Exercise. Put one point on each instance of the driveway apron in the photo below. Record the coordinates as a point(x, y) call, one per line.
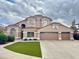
point(60, 49)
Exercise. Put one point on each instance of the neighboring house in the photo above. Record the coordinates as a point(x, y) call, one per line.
point(39, 27)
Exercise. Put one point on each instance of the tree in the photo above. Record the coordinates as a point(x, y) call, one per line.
point(73, 26)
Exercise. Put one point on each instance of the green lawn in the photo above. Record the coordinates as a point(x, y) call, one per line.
point(28, 48)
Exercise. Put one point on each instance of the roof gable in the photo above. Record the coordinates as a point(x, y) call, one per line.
point(30, 17)
point(62, 28)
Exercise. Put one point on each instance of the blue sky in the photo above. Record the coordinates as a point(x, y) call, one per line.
point(12, 11)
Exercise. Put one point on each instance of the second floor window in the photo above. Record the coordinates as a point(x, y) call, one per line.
point(44, 23)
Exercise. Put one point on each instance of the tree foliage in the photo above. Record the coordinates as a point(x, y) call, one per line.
point(74, 26)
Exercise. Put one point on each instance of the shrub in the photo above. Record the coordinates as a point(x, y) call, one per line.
point(25, 39)
point(76, 36)
point(34, 39)
point(3, 38)
point(30, 39)
point(11, 38)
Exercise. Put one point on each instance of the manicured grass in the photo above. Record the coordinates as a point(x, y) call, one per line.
point(28, 48)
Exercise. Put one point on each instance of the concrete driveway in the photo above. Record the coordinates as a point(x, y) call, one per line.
point(60, 49)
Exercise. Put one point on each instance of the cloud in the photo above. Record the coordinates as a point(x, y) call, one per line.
point(62, 21)
point(12, 11)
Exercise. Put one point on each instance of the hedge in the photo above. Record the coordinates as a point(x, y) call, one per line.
point(3, 38)
point(11, 38)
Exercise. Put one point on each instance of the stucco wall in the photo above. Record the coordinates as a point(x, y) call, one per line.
point(8, 30)
point(59, 28)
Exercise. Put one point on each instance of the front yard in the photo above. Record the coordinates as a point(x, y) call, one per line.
point(28, 48)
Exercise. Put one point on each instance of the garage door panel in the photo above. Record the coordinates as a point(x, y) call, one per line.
point(65, 36)
point(49, 36)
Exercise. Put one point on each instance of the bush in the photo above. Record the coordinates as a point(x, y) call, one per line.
point(25, 39)
point(11, 38)
point(30, 39)
point(3, 38)
point(76, 36)
point(34, 39)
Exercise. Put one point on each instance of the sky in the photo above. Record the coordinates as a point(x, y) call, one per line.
point(63, 11)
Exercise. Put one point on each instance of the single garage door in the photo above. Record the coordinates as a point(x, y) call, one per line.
point(65, 35)
point(49, 35)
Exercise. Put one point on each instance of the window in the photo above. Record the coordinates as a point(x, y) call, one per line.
point(44, 23)
point(23, 26)
point(13, 32)
point(31, 23)
point(55, 27)
point(30, 34)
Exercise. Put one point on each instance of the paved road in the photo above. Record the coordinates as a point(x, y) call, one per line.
point(60, 49)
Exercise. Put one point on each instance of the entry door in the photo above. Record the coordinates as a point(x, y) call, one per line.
point(21, 34)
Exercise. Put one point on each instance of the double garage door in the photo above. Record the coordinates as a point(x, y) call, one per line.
point(54, 36)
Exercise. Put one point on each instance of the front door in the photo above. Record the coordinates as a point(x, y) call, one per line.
point(21, 34)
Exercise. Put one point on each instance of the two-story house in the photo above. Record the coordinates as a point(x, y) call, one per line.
point(41, 28)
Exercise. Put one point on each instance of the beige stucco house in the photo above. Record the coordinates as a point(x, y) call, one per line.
point(41, 28)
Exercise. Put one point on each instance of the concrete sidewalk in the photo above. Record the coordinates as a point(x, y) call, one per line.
point(6, 54)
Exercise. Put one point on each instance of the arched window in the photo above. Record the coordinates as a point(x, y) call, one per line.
point(23, 26)
point(13, 32)
point(44, 22)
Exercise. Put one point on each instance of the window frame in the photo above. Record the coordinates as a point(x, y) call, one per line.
point(13, 32)
point(30, 34)
point(55, 26)
point(44, 23)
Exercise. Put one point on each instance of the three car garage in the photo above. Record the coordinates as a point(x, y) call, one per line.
point(54, 35)
point(56, 31)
